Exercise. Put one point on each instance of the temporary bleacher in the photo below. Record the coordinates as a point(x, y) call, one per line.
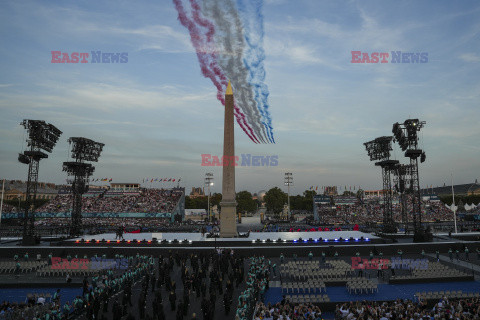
point(435, 295)
point(25, 266)
point(436, 272)
point(331, 271)
point(361, 286)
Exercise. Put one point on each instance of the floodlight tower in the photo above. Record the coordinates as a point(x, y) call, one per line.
point(406, 135)
point(41, 136)
point(379, 149)
point(402, 172)
point(83, 149)
point(288, 182)
point(208, 183)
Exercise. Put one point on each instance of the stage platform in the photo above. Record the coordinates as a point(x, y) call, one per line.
point(254, 238)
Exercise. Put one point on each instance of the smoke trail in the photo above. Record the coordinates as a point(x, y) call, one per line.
point(230, 41)
point(208, 64)
point(251, 12)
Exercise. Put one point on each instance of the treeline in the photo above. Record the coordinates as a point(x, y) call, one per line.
point(245, 202)
point(464, 199)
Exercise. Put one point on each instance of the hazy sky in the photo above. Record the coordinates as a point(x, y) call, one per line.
point(157, 114)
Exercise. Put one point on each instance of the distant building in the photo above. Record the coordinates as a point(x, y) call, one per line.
point(331, 191)
point(16, 189)
point(197, 192)
point(125, 186)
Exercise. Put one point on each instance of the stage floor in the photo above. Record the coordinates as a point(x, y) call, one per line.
point(197, 237)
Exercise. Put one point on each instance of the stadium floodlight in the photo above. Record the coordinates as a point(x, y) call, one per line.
point(379, 150)
point(42, 137)
point(407, 137)
point(288, 180)
point(208, 183)
point(83, 149)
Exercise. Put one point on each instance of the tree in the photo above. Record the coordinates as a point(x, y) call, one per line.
point(245, 202)
point(360, 194)
point(275, 199)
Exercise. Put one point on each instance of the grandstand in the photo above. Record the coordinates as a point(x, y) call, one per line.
point(121, 203)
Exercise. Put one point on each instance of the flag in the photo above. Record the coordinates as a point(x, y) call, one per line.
point(173, 180)
point(316, 188)
point(110, 180)
point(151, 180)
point(156, 179)
point(160, 180)
point(179, 179)
point(169, 179)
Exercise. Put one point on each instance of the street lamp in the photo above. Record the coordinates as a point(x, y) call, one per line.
point(288, 181)
point(209, 182)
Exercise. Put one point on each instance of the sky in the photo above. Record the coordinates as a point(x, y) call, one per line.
point(157, 114)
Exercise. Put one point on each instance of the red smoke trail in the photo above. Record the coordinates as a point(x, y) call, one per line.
point(208, 60)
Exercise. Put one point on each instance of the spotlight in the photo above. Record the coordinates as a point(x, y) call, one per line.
point(336, 240)
point(108, 241)
point(118, 241)
point(326, 240)
point(77, 241)
point(316, 240)
point(128, 241)
point(138, 241)
point(253, 241)
point(87, 241)
point(149, 241)
point(98, 241)
point(366, 239)
point(190, 241)
point(169, 241)
point(274, 241)
point(356, 239)
point(263, 240)
point(295, 240)
point(346, 240)
point(284, 240)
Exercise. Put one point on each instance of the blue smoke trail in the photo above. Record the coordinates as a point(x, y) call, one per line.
point(254, 56)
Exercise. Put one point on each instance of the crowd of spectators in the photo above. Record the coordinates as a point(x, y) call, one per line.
point(372, 212)
point(257, 285)
point(374, 310)
point(406, 309)
point(146, 201)
point(284, 310)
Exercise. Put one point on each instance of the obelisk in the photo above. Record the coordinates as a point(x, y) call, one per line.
point(228, 224)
